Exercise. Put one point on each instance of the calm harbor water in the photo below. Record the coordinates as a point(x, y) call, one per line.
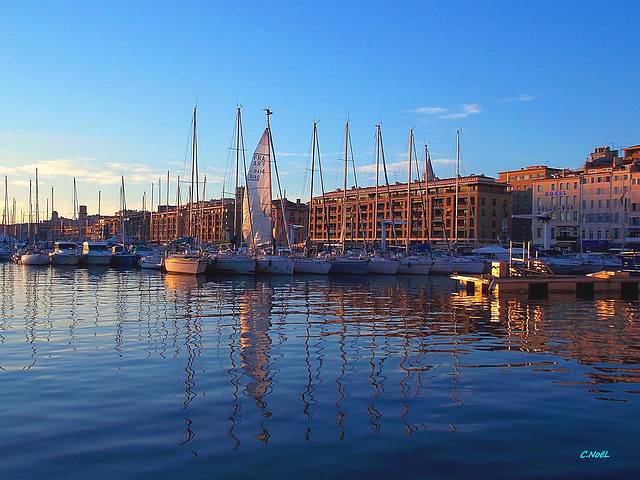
point(111, 373)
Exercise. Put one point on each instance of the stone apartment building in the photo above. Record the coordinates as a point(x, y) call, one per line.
point(482, 213)
point(594, 207)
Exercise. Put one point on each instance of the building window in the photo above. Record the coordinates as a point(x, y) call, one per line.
point(575, 215)
point(553, 186)
point(539, 232)
point(561, 186)
point(539, 188)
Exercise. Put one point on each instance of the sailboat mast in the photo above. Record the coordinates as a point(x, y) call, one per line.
point(37, 208)
point(204, 195)
point(325, 209)
point(30, 213)
point(344, 191)
point(375, 206)
point(408, 216)
point(427, 211)
point(272, 155)
point(236, 203)
point(177, 207)
point(151, 215)
point(313, 164)
point(389, 198)
point(455, 210)
point(5, 212)
point(122, 207)
point(193, 156)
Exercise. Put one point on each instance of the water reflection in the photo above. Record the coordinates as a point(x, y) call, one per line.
point(321, 357)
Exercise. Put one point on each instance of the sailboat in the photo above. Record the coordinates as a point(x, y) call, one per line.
point(257, 226)
point(413, 264)
point(380, 264)
point(34, 254)
point(345, 263)
point(6, 242)
point(122, 257)
point(231, 260)
point(308, 264)
point(447, 263)
point(189, 261)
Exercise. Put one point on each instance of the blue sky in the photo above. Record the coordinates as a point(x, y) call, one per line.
point(100, 91)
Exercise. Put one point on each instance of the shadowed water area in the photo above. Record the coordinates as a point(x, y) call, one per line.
point(110, 373)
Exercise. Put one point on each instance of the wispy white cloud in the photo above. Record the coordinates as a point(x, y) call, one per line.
point(467, 109)
point(525, 97)
point(286, 154)
point(429, 110)
point(442, 161)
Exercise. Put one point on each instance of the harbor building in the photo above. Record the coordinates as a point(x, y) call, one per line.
point(594, 207)
point(482, 214)
point(217, 224)
point(521, 187)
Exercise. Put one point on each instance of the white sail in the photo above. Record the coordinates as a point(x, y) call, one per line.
point(257, 225)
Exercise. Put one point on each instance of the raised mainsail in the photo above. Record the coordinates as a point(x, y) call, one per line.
point(257, 225)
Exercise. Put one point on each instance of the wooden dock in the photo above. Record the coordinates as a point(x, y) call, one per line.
point(613, 285)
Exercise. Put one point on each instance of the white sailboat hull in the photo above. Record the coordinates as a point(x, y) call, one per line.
point(185, 265)
point(442, 267)
point(349, 266)
point(237, 264)
point(152, 262)
point(468, 266)
point(413, 266)
point(273, 264)
point(382, 266)
point(311, 266)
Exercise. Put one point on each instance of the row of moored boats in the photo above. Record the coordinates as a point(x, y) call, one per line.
point(229, 261)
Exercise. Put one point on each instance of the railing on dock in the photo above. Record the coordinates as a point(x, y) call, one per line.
point(522, 264)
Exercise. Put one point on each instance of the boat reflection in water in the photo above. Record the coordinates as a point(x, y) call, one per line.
point(173, 373)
